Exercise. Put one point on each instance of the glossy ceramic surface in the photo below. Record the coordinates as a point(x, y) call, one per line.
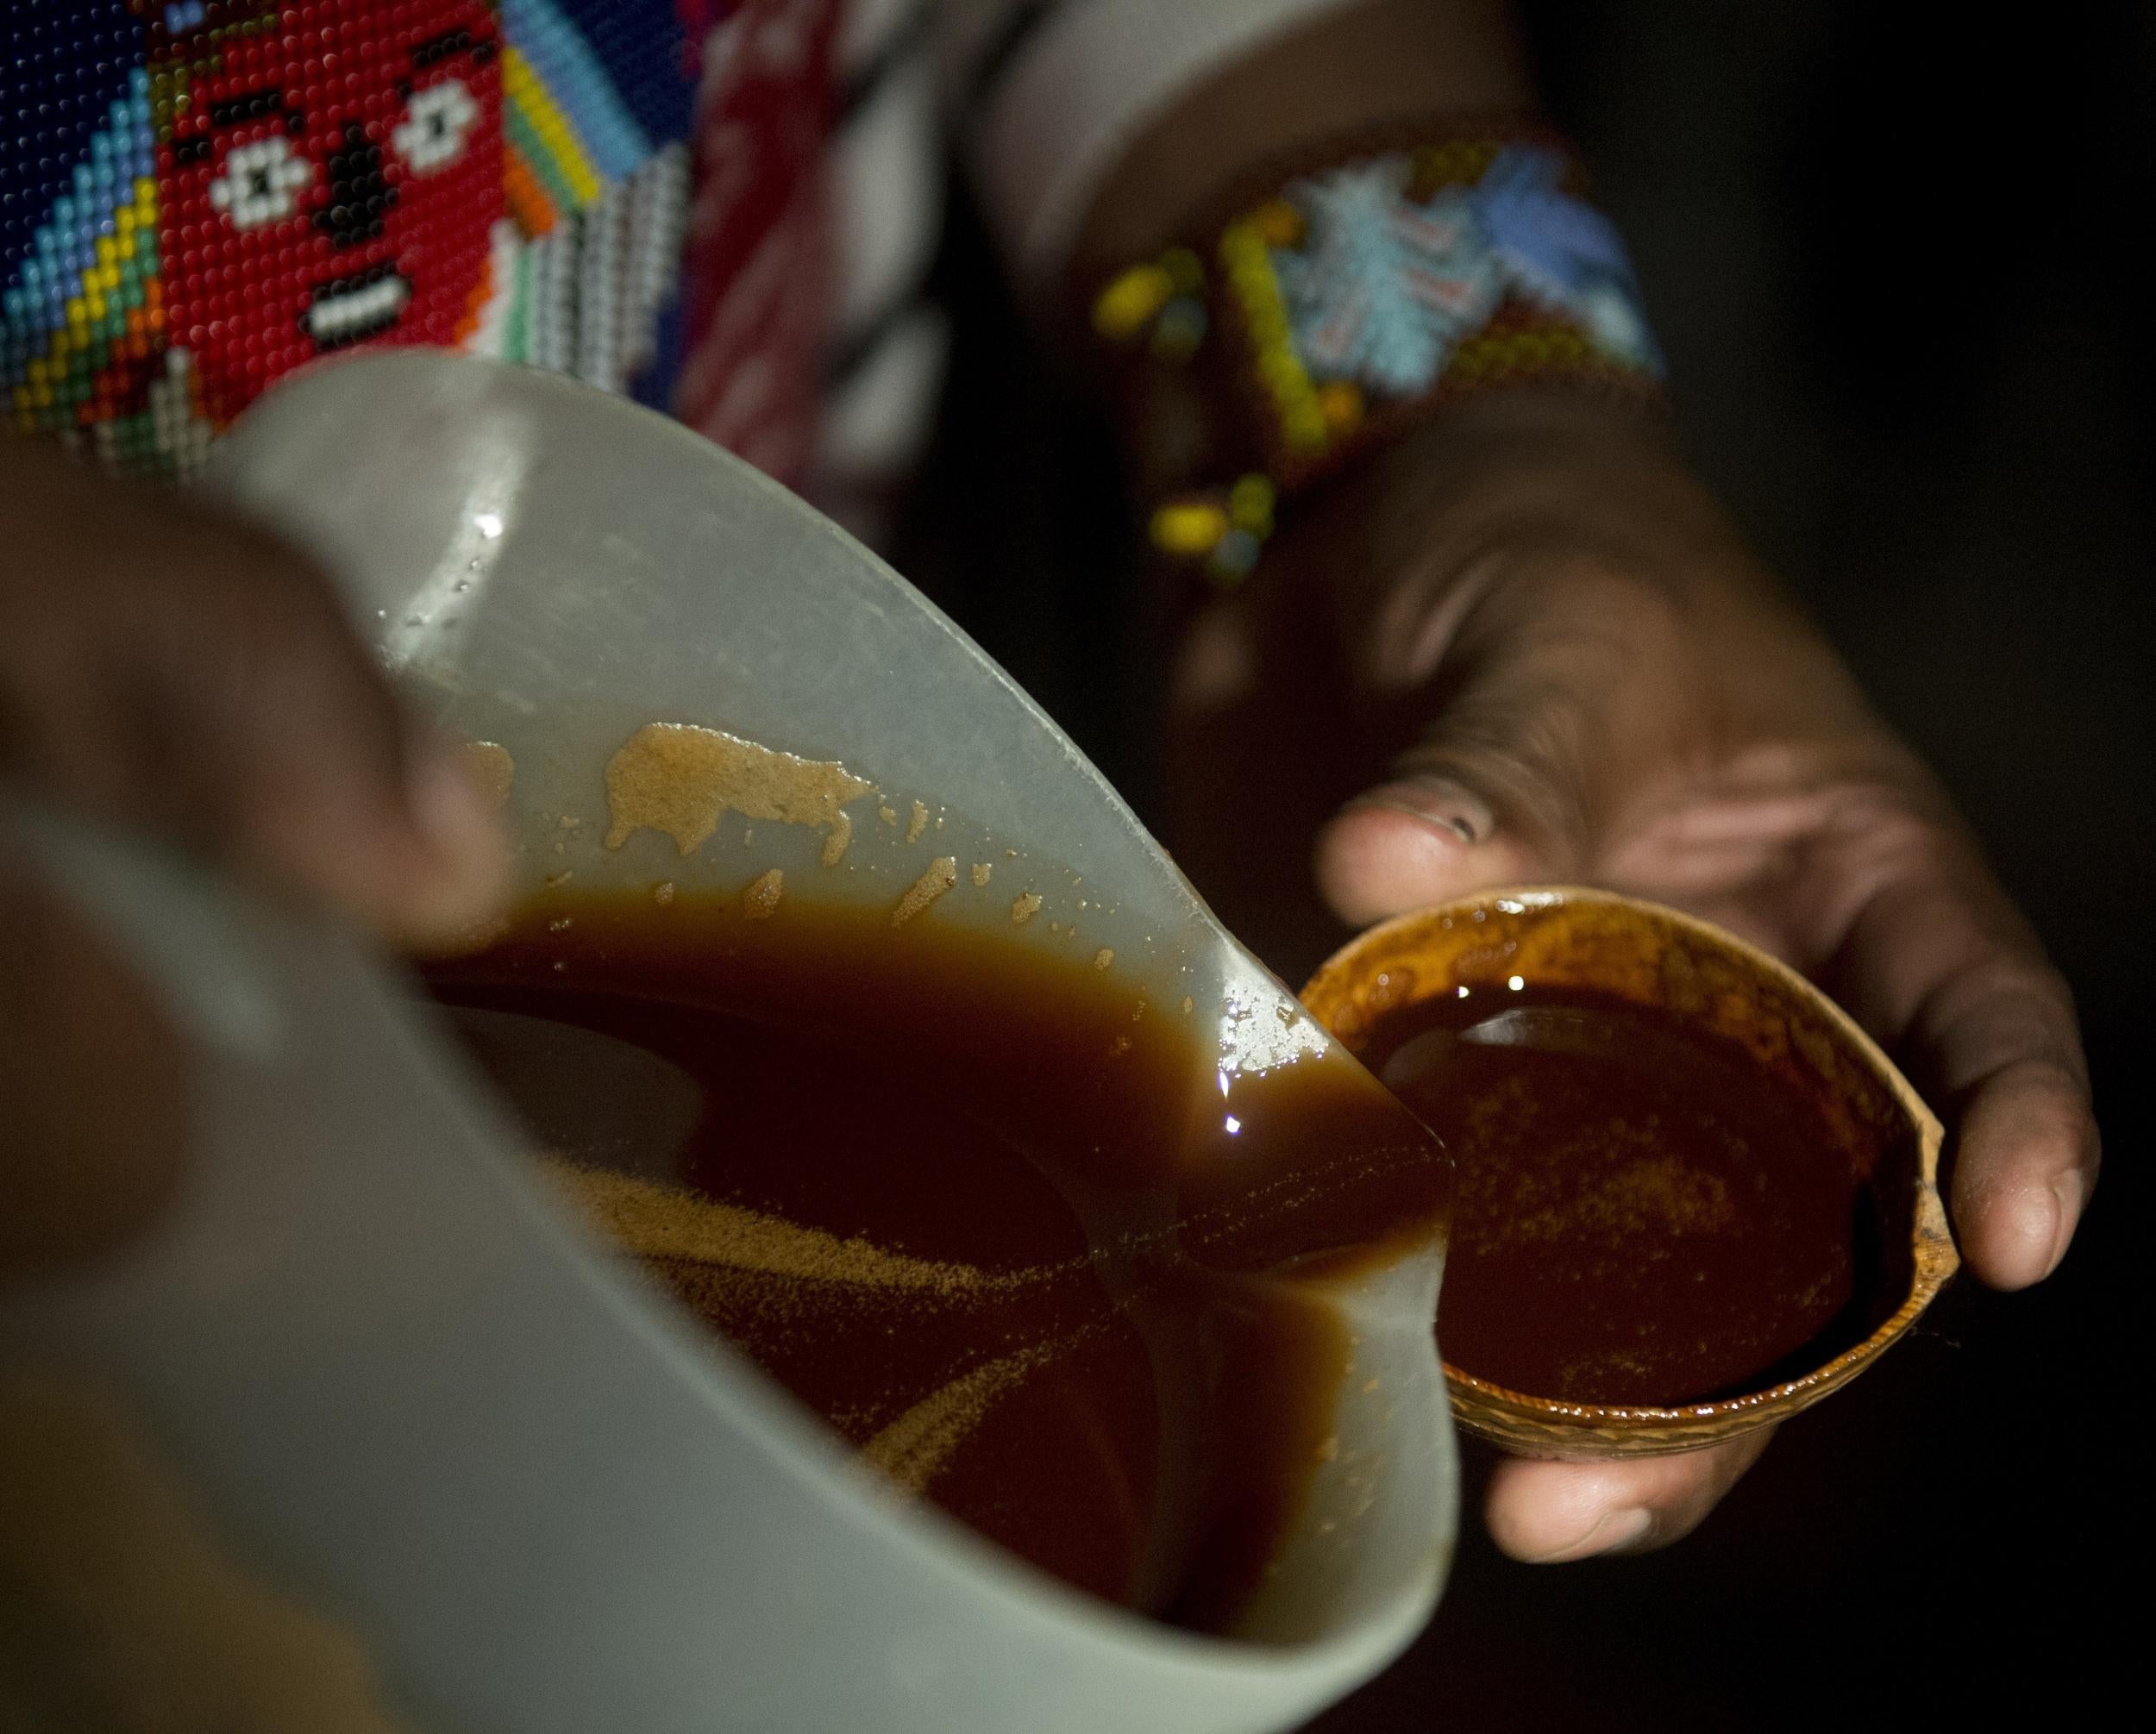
point(417, 1395)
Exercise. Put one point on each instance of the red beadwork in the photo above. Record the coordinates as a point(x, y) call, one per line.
point(292, 255)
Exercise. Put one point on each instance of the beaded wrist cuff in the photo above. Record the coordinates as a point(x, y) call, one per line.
point(1350, 303)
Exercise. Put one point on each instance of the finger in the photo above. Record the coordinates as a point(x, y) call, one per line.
point(303, 768)
point(1537, 717)
point(1935, 958)
point(2027, 1161)
point(1546, 1513)
point(95, 1086)
point(1416, 841)
point(173, 669)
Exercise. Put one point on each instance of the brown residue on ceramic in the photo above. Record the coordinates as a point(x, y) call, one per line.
point(488, 765)
point(682, 779)
point(942, 875)
point(760, 901)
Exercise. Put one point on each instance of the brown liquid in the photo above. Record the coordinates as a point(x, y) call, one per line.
point(981, 1209)
point(1645, 1215)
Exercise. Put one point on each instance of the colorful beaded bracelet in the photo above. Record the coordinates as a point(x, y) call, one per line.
point(1349, 303)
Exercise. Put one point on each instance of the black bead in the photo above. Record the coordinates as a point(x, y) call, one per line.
point(360, 195)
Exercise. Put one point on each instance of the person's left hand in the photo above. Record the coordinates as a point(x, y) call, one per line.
point(1578, 675)
point(169, 669)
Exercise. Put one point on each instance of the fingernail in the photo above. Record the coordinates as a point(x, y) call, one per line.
point(2067, 1196)
point(1438, 801)
point(1611, 1531)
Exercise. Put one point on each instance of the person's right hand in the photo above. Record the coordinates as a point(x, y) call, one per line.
point(174, 671)
point(1573, 673)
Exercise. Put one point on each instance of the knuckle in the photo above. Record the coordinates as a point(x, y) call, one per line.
point(1587, 620)
point(2006, 985)
point(1578, 585)
point(1990, 1036)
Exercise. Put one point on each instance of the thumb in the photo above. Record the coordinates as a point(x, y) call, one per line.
point(1492, 795)
point(1537, 698)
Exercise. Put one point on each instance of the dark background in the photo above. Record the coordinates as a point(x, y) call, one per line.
point(1897, 264)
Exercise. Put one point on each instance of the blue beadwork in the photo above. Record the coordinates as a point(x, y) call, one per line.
point(1563, 252)
point(69, 64)
point(58, 251)
point(642, 46)
point(1386, 288)
point(1549, 243)
point(568, 66)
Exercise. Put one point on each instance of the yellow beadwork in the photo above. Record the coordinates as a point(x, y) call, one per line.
point(1250, 503)
point(1305, 425)
point(1280, 223)
point(1127, 305)
point(523, 90)
point(76, 336)
point(1495, 355)
point(1342, 402)
point(1188, 527)
point(1248, 263)
point(1460, 162)
point(1185, 270)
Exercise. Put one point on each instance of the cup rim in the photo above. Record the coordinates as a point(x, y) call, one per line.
point(1934, 1257)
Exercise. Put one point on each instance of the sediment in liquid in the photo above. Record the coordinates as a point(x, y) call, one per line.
point(1645, 1215)
point(961, 1200)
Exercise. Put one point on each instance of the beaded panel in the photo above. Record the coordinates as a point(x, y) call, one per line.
point(1352, 302)
point(202, 196)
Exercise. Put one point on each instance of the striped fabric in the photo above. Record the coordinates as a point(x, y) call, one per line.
point(1056, 90)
